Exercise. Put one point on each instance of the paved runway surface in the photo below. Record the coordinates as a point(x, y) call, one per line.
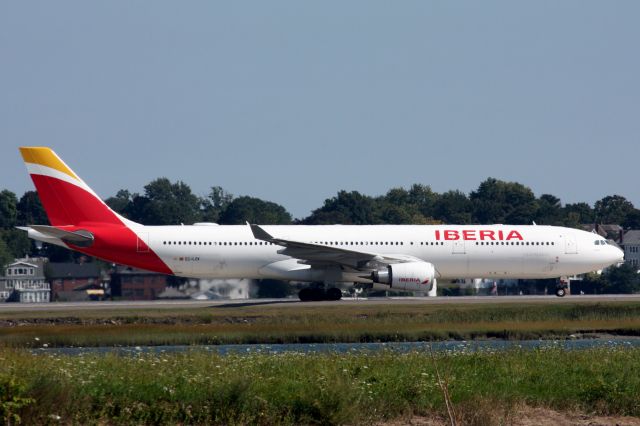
point(172, 304)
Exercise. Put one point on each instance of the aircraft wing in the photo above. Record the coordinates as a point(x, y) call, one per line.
point(324, 255)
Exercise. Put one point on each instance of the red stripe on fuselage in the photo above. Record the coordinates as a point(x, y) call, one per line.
point(120, 244)
point(68, 204)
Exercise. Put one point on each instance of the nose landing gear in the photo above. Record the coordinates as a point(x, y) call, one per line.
point(562, 287)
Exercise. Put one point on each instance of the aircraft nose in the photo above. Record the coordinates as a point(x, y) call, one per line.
point(617, 255)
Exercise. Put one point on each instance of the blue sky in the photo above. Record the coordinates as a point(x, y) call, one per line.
point(293, 101)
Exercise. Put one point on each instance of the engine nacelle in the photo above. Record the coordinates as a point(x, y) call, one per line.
point(410, 276)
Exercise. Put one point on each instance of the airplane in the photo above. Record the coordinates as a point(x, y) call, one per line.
point(407, 258)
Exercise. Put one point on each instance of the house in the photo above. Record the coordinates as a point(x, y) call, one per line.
point(631, 246)
point(137, 284)
point(24, 282)
point(76, 281)
point(608, 231)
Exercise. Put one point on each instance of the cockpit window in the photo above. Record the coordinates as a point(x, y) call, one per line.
point(596, 242)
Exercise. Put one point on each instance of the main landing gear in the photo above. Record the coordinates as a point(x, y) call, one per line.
point(316, 294)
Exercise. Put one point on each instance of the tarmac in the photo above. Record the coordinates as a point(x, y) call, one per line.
point(172, 304)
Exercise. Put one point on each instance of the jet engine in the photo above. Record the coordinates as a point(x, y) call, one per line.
point(409, 276)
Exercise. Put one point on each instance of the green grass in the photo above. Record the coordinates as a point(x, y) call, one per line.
point(349, 322)
point(360, 388)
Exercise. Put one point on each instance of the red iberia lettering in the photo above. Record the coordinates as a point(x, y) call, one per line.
point(514, 235)
point(468, 234)
point(451, 235)
point(487, 235)
point(477, 234)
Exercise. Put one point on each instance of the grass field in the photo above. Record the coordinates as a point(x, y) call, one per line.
point(355, 388)
point(318, 324)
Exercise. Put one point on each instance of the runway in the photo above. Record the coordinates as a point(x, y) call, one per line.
point(186, 304)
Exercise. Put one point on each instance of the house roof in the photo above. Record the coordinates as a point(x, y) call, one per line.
point(73, 270)
point(611, 227)
point(604, 230)
point(31, 265)
point(631, 237)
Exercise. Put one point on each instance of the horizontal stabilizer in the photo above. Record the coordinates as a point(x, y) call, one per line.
point(79, 238)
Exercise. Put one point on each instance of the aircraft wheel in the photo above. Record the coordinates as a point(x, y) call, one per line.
point(334, 293)
point(561, 291)
point(318, 294)
point(310, 294)
point(306, 294)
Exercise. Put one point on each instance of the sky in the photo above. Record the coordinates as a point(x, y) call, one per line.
point(293, 101)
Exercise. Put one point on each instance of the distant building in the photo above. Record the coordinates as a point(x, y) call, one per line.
point(609, 231)
point(631, 246)
point(77, 281)
point(24, 282)
point(137, 284)
point(203, 289)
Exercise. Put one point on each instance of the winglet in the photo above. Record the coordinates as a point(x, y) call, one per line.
point(259, 233)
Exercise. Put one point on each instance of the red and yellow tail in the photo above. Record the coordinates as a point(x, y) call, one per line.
point(80, 219)
point(65, 197)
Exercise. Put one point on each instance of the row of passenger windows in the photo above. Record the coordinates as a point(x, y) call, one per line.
point(352, 243)
point(213, 243)
point(261, 243)
point(515, 243)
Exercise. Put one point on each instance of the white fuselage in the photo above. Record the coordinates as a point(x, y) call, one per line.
point(456, 251)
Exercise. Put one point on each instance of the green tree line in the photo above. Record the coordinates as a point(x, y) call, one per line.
point(164, 202)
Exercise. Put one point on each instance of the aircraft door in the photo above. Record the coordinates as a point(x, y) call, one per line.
point(142, 246)
point(570, 246)
point(458, 247)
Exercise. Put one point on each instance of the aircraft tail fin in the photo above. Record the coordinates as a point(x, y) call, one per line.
point(66, 198)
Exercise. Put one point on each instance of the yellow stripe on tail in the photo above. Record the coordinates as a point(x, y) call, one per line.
point(45, 157)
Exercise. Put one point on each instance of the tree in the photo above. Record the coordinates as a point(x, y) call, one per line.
point(497, 201)
point(423, 198)
point(633, 220)
point(612, 209)
point(453, 207)
point(399, 206)
point(254, 210)
point(30, 210)
point(623, 279)
point(8, 209)
point(215, 204)
point(549, 210)
point(16, 241)
point(346, 208)
point(578, 214)
point(5, 256)
point(122, 203)
point(165, 203)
